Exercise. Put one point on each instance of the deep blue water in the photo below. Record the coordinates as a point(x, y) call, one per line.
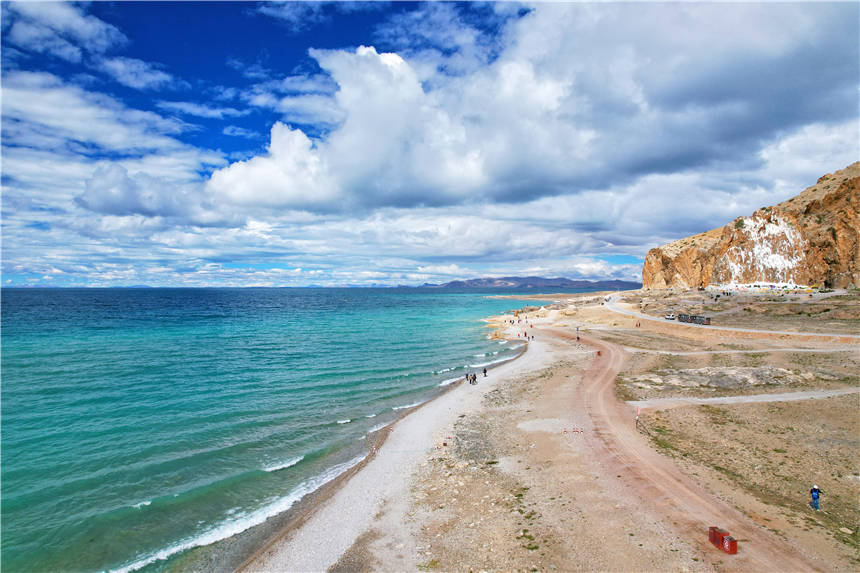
point(137, 423)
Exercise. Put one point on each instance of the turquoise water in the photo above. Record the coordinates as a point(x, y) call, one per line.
point(137, 424)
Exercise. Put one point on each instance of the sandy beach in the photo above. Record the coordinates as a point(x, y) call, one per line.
point(543, 465)
point(384, 481)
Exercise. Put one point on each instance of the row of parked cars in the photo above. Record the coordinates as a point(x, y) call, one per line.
point(693, 318)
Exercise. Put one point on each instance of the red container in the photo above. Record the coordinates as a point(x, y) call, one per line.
point(719, 534)
point(730, 545)
point(712, 533)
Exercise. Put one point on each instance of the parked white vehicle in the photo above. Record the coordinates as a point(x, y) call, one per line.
point(669, 316)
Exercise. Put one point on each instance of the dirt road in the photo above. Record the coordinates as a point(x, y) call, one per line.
point(665, 491)
point(612, 304)
point(747, 398)
point(756, 351)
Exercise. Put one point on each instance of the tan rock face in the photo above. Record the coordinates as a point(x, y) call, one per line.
point(808, 240)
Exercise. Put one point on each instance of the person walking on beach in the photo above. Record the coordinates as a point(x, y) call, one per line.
point(815, 493)
point(485, 372)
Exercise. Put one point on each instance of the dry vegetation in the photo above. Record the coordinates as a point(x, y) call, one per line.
point(818, 312)
point(775, 452)
point(763, 458)
point(709, 375)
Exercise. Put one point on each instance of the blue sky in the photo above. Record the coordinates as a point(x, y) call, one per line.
point(300, 143)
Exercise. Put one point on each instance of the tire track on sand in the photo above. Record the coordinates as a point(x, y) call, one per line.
point(663, 488)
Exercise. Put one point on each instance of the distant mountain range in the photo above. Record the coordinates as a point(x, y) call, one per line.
point(536, 282)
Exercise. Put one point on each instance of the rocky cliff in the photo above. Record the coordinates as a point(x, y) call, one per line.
point(811, 239)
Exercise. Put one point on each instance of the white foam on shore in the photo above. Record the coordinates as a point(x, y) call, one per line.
point(333, 529)
point(245, 521)
point(450, 381)
point(485, 354)
point(377, 427)
point(289, 463)
point(503, 342)
point(444, 370)
point(505, 359)
point(408, 405)
point(346, 421)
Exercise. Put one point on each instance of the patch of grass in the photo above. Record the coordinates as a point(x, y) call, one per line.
point(432, 564)
point(730, 473)
point(623, 391)
point(717, 415)
point(664, 444)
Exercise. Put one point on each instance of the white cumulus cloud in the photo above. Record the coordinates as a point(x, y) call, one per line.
point(291, 174)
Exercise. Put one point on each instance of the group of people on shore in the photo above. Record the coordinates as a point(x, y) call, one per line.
point(472, 378)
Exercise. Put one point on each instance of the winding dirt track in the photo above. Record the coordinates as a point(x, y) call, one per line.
point(665, 490)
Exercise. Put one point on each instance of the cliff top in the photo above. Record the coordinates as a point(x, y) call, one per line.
point(796, 205)
point(825, 185)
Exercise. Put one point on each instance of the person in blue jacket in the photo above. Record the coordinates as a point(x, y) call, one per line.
point(816, 493)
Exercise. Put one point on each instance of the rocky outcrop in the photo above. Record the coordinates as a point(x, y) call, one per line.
point(811, 239)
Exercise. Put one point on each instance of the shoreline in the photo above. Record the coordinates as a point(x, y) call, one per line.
point(529, 440)
point(238, 550)
point(307, 524)
point(404, 508)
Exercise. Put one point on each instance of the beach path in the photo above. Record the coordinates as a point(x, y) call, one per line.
point(670, 494)
point(743, 399)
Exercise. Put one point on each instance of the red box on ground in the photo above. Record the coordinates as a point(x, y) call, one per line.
point(730, 545)
point(719, 534)
point(712, 533)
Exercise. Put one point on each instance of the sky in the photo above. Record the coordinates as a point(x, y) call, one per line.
point(361, 144)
